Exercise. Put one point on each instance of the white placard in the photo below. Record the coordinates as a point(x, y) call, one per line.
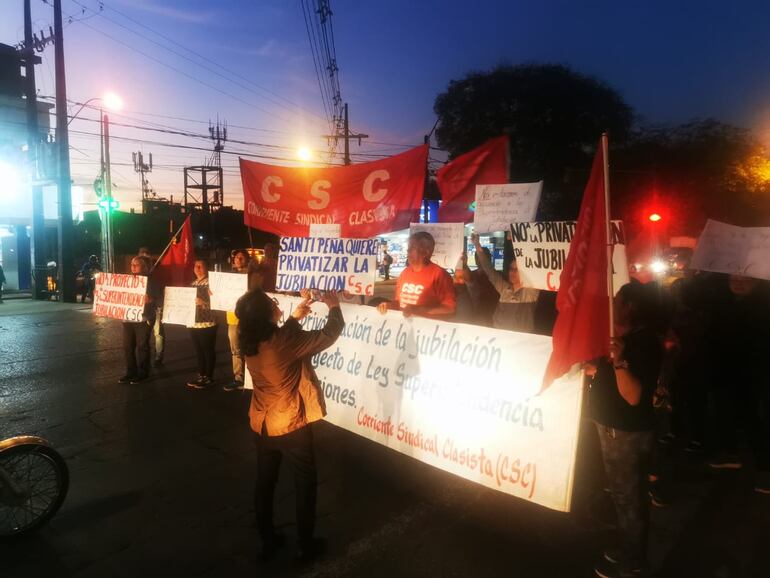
point(226, 289)
point(541, 249)
point(449, 237)
point(459, 397)
point(327, 264)
point(331, 230)
point(497, 206)
point(179, 305)
point(724, 248)
point(120, 296)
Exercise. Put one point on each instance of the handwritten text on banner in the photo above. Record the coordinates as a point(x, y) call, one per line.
point(459, 397)
point(179, 305)
point(226, 289)
point(120, 296)
point(450, 241)
point(724, 248)
point(327, 264)
point(541, 249)
point(497, 206)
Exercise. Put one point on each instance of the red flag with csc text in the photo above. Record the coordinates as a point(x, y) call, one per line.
point(581, 332)
point(365, 199)
point(457, 180)
point(175, 267)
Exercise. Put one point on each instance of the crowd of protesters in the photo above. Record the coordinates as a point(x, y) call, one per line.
point(685, 369)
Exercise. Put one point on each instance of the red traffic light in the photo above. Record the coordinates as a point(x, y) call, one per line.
point(654, 217)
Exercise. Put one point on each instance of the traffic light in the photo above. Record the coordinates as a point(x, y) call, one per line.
point(109, 204)
point(654, 217)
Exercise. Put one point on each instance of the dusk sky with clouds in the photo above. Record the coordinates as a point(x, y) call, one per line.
point(671, 61)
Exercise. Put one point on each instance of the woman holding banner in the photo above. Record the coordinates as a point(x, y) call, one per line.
point(204, 332)
point(287, 398)
point(136, 334)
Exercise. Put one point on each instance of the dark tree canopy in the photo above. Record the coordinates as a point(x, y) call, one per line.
point(554, 117)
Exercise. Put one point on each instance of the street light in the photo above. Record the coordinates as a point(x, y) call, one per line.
point(110, 101)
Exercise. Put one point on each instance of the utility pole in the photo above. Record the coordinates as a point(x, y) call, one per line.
point(346, 136)
point(143, 168)
point(33, 138)
point(66, 258)
point(108, 193)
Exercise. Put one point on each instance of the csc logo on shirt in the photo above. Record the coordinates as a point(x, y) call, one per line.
point(412, 288)
point(410, 293)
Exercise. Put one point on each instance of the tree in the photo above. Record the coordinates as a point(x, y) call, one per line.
point(554, 117)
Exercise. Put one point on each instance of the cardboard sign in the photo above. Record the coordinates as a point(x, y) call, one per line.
point(449, 237)
point(460, 397)
point(541, 249)
point(120, 296)
point(724, 248)
point(226, 289)
point(331, 230)
point(497, 206)
point(327, 264)
point(179, 305)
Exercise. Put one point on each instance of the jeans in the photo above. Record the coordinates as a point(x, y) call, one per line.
point(626, 462)
point(136, 347)
point(205, 342)
point(235, 351)
point(297, 446)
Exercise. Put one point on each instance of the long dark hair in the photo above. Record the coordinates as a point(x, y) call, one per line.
point(255, 320)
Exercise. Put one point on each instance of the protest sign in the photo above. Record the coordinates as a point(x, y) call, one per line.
point(327, 264)
point(179, 305)
point(120, 296)
point(497, 206)
point(332, 230)
point(226, 289)
point(449, 237)
point(541, 249)
point(459, 397)
point(724, 248)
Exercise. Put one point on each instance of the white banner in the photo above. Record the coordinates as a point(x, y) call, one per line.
point(497, 206)
point(179, 305)
point(333, 230)
point(541, 249)
point(226, 289)
point(460, 397)
point(120, 296)
point(724, 248)
point(450, 240)
point(327, 264)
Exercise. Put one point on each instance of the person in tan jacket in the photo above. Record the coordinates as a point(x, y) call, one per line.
point(287, 398)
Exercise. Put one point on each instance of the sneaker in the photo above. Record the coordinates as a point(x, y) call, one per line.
point(667, 439)
point(658, 496)
point(195, 382)
point(762, 484)
point(233, 386)
point(138, 379)
point(694, 447)
point(726, 462)
point(202, 383)
point(612, 555)
point(126, 378)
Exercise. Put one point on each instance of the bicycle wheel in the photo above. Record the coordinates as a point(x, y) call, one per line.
point(41, 477)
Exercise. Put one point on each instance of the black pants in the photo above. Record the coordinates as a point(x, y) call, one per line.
point(136, 347)
point(205, 342)
point(297, 446)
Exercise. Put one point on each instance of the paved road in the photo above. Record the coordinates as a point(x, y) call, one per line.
point(161, 484)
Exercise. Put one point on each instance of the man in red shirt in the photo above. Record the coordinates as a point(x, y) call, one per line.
point(423, 288)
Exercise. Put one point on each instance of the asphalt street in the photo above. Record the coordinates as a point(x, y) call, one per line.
point(162, 483)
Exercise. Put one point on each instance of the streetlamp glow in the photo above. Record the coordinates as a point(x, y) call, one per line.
point(112, 101)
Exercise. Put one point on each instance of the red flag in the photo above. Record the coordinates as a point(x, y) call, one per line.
point(581, 331)
point(175, 267)
point(457, 180)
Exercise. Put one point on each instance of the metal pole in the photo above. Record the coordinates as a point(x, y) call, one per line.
point(33, 138)
point(347, 137)
point(103, 213)
point(108, 193)
point(608, 226)
point(66, 257)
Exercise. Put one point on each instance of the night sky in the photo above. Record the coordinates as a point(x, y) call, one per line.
point(671, 61)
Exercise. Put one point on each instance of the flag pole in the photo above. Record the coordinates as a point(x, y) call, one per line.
point(608, 226)
point(171, 242)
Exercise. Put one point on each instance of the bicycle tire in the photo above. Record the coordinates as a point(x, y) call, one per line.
point(14, 460)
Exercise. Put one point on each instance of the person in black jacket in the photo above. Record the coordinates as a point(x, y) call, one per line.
point(621, 404)
point(136, 334)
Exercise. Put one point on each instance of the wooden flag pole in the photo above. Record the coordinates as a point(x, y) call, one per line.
point(608, 226)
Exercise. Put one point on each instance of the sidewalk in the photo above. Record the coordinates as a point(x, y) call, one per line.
point(29, 306)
